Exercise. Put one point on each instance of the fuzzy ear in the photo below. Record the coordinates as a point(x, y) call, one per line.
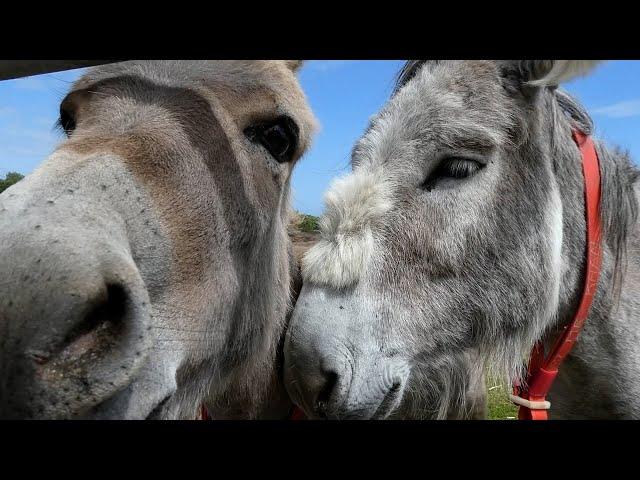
point(294, 65)
point(551, 73)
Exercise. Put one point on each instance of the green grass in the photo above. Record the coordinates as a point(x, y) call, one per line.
point(500, 407)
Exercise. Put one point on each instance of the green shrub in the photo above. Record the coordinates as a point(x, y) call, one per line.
point(308, 223)
point(10, 179)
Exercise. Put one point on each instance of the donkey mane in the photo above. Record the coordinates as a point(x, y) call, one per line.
point(619, 205)
point(408, 71)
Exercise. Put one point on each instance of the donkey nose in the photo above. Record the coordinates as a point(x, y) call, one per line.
point(75, 332)
point(329, 371)
point(319, 387)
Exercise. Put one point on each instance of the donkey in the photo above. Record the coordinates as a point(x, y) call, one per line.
point(146, 267)
point(462, 228)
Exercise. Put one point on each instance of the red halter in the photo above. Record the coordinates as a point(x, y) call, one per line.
point(541, 373)
point(203, 414)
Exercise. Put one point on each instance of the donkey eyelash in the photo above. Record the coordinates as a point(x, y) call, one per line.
point(458, 167)
point(454, 168)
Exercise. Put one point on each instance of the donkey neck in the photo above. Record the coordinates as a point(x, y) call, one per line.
point(251, 354)
point(600, 360)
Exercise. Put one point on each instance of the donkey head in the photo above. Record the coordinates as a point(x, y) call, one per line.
point(145, 264)
point(448, 236)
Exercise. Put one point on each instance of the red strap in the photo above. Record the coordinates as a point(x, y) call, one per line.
point(542, 373)
point(204, 413)
point(297, 414)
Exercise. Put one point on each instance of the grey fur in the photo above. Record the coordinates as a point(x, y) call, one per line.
point(485, 265)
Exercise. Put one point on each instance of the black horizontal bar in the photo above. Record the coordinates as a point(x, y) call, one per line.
point(23, 68)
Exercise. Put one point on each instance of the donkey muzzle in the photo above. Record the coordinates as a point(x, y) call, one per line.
point(74, 316)
point(326, 374)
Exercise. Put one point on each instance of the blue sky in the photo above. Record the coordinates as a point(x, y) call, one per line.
point(342, 93)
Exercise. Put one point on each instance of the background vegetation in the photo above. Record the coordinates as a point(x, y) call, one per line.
point(304, 222)
point(10, 179)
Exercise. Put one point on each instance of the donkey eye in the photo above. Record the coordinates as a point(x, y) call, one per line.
point(454, 168)
point(67, 120)
point(279, 138)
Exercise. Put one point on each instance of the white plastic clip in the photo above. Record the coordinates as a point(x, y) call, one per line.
point(529, 404)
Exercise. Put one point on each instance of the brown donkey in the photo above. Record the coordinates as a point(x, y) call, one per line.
point(146, 264)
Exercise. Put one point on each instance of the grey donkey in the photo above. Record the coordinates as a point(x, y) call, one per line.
point(462, 229)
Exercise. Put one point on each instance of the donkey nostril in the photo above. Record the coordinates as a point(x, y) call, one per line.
point(101, 325)
point(324, 396)
point(107, 313)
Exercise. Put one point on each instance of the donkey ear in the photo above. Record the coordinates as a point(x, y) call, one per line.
point(294, 65)
point(551, 73)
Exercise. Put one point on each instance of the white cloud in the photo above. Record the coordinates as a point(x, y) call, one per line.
point(629, 108)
